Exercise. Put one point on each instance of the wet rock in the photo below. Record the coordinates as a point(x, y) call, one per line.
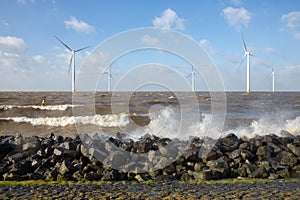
point(294, 149)
point(247, 155)
point(287, 158)
point(31, 144)
point(92, 176)
point(203, 175)
point(165, 178)
point(284, 173)
point(229, 143)
point(260, 172)
point(5, 149)
point(235, 154)
point(64, 167)
point(265, 152)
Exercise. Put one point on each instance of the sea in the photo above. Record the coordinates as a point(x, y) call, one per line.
point(164, 114)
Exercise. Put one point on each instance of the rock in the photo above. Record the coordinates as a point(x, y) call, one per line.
point(18, 156)
point(5, 149)
point(260, 172)
point(198, 167)
point(235, 154)
point(248, 146)
point(65, 167)
point(186, 177)
point(32, 145)
point(211, 155)
point(287, 158)
point(229, 143)
point(295, 172)
point(272, 138)
point(203, 175)
point(165, 178)
point(110, 175)
point(247, 155)
point(92, 176)
point(265, 152)
point(51, 175)
point(294, 149)
point(18, 140)
point(66, 153)
point(246, 170)
point(284, 173)
point(68, 145)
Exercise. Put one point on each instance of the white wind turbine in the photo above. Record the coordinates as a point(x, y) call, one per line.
point(192, 74)
point(273, 80)
point(109, 76)
point(247, 54)
point(72, 60)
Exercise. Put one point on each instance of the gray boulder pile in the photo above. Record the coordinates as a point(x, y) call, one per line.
point(63, 158)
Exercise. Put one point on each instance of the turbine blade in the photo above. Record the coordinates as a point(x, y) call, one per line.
point(244, 44)
point(241, 62)
point(70, 65)
point(82, 48)
point(63, 43)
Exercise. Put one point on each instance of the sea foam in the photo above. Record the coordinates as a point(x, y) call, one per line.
point(100, 120)
point(47, 107)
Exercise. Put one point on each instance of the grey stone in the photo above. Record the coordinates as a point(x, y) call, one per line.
point(265, 152)
point(294, 149)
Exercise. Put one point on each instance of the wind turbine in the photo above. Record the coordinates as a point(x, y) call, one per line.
point(273, 81)
point(192, 74)
point(72, 60)
point(109, 76)
point(247, 54)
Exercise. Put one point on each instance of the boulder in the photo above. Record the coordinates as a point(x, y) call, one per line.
point(294, 149)
point(229, 143)
point(265, 152)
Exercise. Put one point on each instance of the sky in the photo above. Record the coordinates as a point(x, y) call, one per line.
point(31, 59)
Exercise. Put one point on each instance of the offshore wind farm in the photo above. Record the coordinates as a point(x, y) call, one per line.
point(167, 96)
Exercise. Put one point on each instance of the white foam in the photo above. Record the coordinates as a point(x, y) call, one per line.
point(100, 120)
point(167, 123)
point(268, 125)
point(47, 107)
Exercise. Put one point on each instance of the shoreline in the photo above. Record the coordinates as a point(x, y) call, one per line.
point(228, 189)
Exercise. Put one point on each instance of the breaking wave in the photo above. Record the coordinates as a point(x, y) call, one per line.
point(47, 107)
point(100, 120)
point(268, 125)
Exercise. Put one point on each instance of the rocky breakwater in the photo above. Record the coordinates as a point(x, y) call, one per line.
point(64, 158)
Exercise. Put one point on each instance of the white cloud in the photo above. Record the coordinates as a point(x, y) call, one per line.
point(147, 39)
point(271, 50)
point(170, 20)
point(208, 46)
point(237, 17)
point(236, 2)
point(292, 22)
point(79, 25)
point(12, 44)
point(25, 1)
point(39, 59)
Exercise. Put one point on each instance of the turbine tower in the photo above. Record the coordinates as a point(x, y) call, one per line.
point(192, 74)
point(109, 76)
point(247, 55)
point(72, 61)
point(273, 81)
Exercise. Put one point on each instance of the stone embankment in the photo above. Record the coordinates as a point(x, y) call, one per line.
point(62, 158)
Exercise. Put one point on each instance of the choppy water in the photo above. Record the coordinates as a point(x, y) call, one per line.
point(157, 113)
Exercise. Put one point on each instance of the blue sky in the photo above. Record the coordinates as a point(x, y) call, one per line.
point(32, 59)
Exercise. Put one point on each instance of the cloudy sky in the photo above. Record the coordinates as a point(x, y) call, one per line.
point(31, 59)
